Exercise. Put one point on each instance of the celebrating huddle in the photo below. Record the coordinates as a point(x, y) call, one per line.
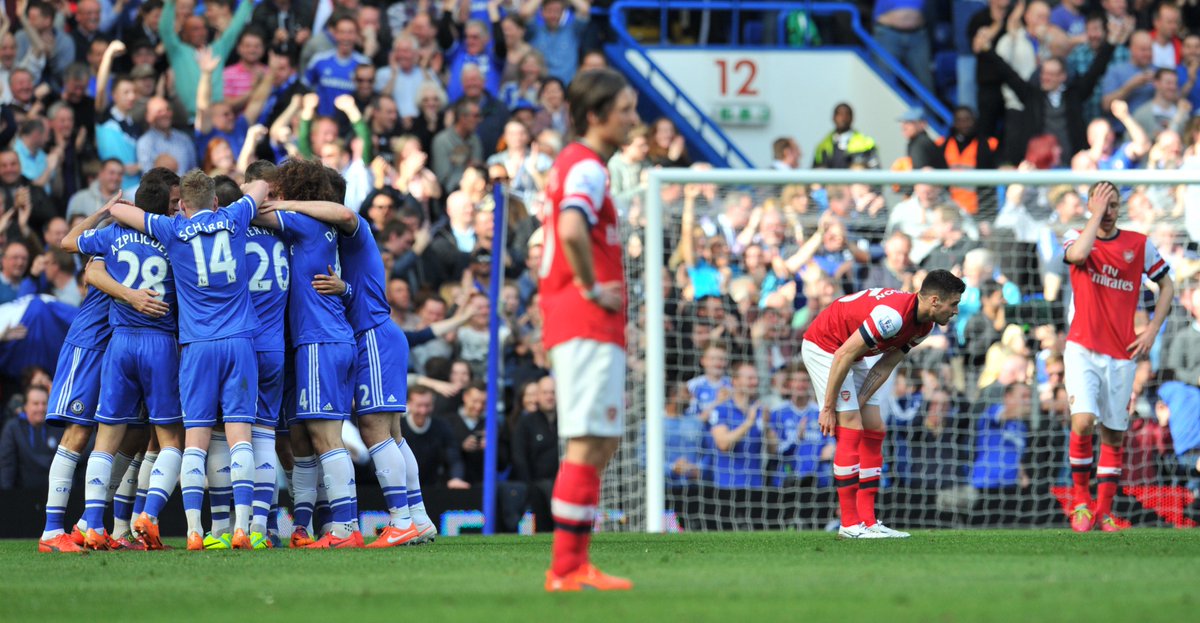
point(183, 334)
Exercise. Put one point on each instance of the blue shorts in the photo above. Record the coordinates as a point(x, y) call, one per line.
point(270, 388)
point(140, 366)
point(323, 382)
point(76, 387)
point(381, 372)
point(219, 377)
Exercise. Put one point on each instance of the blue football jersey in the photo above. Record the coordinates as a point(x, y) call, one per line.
point(207, 253)
point(137, 261)
point(312, 318)
point(90, 328)
point(267, 265)
point(362, 268)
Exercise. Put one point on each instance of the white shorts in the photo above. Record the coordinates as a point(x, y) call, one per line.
point(589, 378)
point(818, 362)
point(1099, 384)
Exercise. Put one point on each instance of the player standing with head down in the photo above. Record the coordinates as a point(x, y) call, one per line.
point(1107, 265)
point(583, 303)
point(850, 350)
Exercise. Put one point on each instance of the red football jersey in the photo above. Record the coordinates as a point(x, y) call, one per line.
point(1107, 288)
point(886, 319)
point(579, 181)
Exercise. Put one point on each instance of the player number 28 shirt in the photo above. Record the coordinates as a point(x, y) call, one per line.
point(886, 319)
point(579, 181)
point(1107, 288)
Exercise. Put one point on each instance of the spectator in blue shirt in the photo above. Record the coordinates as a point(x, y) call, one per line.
point(331, 73)
point(27, 445)
point(741, 431)
point(1178, 407)
point(558, 36)
point(473, 44)
point(1133, 81)
point(13, 269)
point(804, 454)
point(1001, 436)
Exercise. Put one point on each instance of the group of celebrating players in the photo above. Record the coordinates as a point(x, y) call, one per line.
point(184, 329)
point(182, 334)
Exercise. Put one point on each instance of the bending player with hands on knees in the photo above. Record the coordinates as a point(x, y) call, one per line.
point(1107, 266)
point(850, 350)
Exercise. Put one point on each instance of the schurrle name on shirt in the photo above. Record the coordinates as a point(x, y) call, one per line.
point(191, 230)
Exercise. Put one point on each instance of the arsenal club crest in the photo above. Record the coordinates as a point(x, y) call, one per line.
point(845, 394)
point(1128, 255)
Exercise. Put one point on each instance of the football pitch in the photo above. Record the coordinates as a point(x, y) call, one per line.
point(1138, 575)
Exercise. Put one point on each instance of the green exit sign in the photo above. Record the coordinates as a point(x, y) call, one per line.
point(742, 114)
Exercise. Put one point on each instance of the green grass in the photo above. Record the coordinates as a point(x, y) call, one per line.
point(970, 576)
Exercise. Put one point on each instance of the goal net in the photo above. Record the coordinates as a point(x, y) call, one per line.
point(726, 270)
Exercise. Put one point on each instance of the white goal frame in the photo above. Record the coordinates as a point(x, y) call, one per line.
point(655, 390)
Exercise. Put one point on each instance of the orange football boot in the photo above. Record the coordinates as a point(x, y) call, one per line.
point(300, 538)
point(59, 544)
point(586, 577)
point(329, 541)
point(1111, 523)
point(96, 540)
point(394, 537)
point(195, 542)
point(240, 540)
point(147, 530)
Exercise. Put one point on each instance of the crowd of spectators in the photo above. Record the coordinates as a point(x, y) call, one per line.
point(425, 106)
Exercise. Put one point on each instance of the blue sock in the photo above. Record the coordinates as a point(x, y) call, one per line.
point(163, 479)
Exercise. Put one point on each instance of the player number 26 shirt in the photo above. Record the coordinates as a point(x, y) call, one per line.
point(1107, 288)
point(886, 319)
point(579, 181)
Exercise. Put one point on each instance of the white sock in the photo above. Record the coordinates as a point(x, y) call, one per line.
point(191, 482)
point(143, 483)
point(124, 496)
point(220, 483)
point(241, 469)
point(413, 475)
point(340, 486)
point(62, 475)
point(163, 479)
point(95, 488)
point(120, 465)
point(304, 491)
point(392, 469)
point(263, 441)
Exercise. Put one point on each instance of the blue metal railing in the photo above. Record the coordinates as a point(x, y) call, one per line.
point(885, 65)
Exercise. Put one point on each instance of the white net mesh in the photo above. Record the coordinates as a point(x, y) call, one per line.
point(765, 258)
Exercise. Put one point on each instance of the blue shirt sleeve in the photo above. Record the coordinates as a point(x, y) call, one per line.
point(159, 227)
point(242, 211)
point(95, 241)
point(292, 225)
point(358, 240)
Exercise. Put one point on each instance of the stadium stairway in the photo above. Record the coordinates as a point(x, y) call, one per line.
point(706, 139)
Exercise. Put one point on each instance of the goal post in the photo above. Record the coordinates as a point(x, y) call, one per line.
point(661, 222)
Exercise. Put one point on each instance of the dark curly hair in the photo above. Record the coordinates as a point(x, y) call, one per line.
point(302, 180)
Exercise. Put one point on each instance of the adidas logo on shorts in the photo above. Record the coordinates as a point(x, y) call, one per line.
point(328, 407)
point(391, 398)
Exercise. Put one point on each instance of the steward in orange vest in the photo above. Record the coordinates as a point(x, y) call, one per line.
point(965, 150)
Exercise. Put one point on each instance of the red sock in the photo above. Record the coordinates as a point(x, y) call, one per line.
point(573, 505)
point(1081, 468)
point(1108, 472)
point(845, 473)
point(870, 453)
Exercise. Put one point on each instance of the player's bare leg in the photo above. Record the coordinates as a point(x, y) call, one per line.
point(97, 476)
point(391, 469)
point(576, 494)
point(74, 439)
point(1082, 515)
point(304, 485)
point(163, 478)
point(339, 482)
